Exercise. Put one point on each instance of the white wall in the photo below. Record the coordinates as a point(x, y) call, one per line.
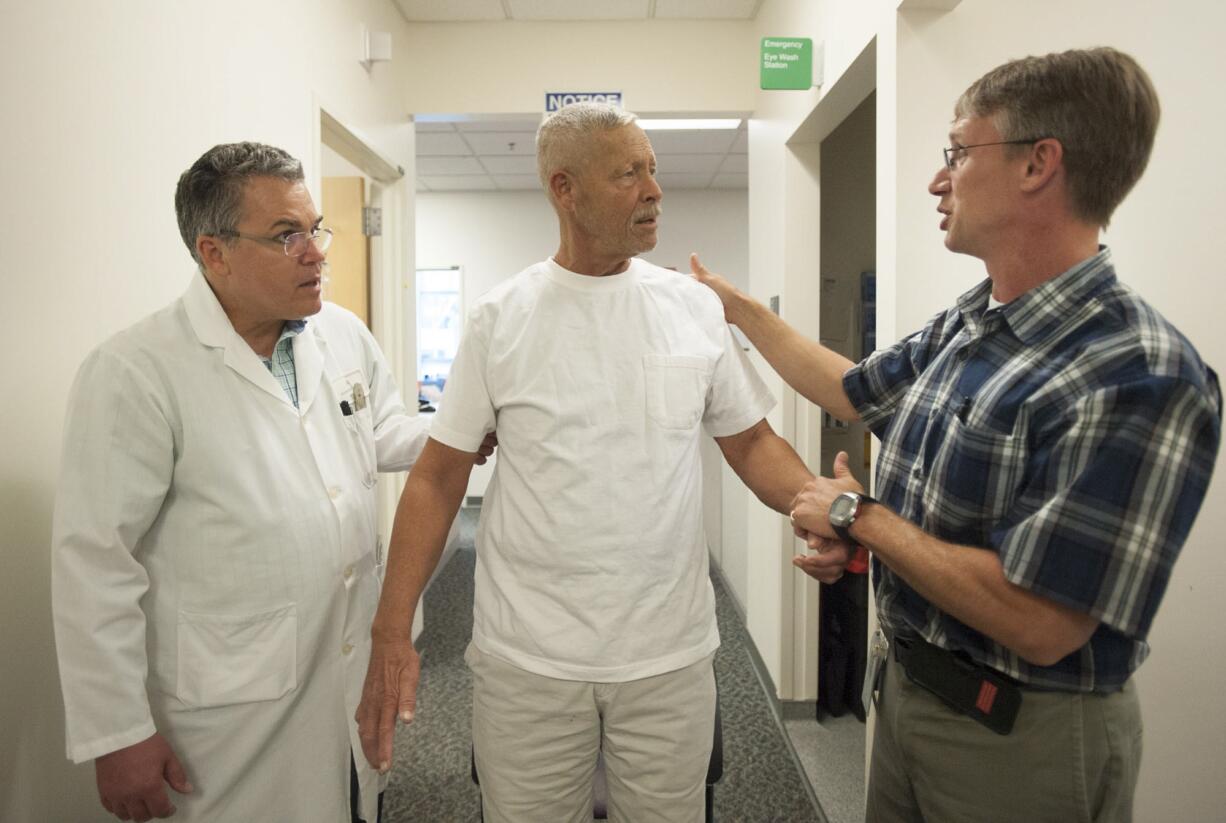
point(758, 567)
point(658, 65)
point(105, 105)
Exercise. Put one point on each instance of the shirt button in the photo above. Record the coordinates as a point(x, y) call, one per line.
point(345, 649)
point(334, 492)
point(348, 572)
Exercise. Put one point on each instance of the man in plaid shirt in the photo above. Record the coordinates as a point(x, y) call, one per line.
point(1046, 444)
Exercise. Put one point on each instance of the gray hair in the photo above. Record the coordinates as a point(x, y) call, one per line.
point(561, 139)
point(209, 197)
point(1099, 103)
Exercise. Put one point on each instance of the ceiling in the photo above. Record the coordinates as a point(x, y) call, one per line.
point(499, 154)
point(437, 11)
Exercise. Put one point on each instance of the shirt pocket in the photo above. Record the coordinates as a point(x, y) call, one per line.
point(226, 659)
point(975, 480)
point(676, 389)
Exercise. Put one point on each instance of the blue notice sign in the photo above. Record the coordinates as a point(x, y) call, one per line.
point(555, 100)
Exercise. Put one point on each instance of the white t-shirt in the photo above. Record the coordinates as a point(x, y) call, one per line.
point(591, 557)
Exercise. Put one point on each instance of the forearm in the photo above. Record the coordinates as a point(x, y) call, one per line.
point(767, 465)
point(969, 584)
point(813, 370)
point(423, 519)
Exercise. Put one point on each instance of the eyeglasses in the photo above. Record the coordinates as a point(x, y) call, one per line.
point(954, 155)
point(295, 243)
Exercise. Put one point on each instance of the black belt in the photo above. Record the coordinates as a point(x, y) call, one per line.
point(980, 693)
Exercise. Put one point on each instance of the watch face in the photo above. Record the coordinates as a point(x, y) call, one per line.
point(842, 508)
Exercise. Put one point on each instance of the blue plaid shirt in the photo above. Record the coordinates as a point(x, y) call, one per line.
point(281, 364)
point(1073, 432)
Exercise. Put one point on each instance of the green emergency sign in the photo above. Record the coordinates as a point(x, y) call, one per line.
point(787, 63)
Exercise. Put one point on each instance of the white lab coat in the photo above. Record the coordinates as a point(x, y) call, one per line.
point(214, 567)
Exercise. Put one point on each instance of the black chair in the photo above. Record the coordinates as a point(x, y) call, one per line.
point(600, 785)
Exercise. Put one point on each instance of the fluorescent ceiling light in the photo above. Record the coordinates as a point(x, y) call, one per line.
point(661, 125)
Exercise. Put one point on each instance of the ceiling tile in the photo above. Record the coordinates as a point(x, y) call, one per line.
point(518, 182)
point(437, 10)
point(578, 9)
point(462, 183)
point(681, 181)
point(692, 141)
point(691, 163)
point(741, 143)
point(501, 142)
point(510, 165)
point(707, 9)
point(440, 143)
point(433, 166)
point(735, 164)
point(730, 181)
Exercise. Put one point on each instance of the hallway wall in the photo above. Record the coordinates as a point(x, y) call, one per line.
point(659, 66)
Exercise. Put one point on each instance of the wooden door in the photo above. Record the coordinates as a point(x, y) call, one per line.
point(348, 258)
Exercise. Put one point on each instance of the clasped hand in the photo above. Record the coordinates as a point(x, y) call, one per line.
point(810, 516)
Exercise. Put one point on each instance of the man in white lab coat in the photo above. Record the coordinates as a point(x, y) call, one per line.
point(215, 568)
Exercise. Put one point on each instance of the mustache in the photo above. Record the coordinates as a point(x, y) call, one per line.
point(648, 214)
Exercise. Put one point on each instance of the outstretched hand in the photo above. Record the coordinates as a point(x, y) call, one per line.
point(390, 691)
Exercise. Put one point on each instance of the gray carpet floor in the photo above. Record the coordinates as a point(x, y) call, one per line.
point(431, 782)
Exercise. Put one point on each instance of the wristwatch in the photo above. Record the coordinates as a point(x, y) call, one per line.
point(844, 511)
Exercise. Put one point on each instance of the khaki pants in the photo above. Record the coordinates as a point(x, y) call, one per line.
point(535, 740)
point(1071, 758)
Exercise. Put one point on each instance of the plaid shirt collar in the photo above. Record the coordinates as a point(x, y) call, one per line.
point(1042, 311)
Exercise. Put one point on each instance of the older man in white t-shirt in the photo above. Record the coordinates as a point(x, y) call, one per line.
point(594, 622)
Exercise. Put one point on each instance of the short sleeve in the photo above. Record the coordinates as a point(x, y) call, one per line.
point(878, 384)
point(737, 398)
point(1130, 465)
point(466, 411)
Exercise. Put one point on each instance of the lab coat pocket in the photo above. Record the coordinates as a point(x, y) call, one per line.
point(676, 389)
point(226, 659)
point(359, 422)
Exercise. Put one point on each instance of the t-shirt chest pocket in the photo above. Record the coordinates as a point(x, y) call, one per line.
point(676, 389)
